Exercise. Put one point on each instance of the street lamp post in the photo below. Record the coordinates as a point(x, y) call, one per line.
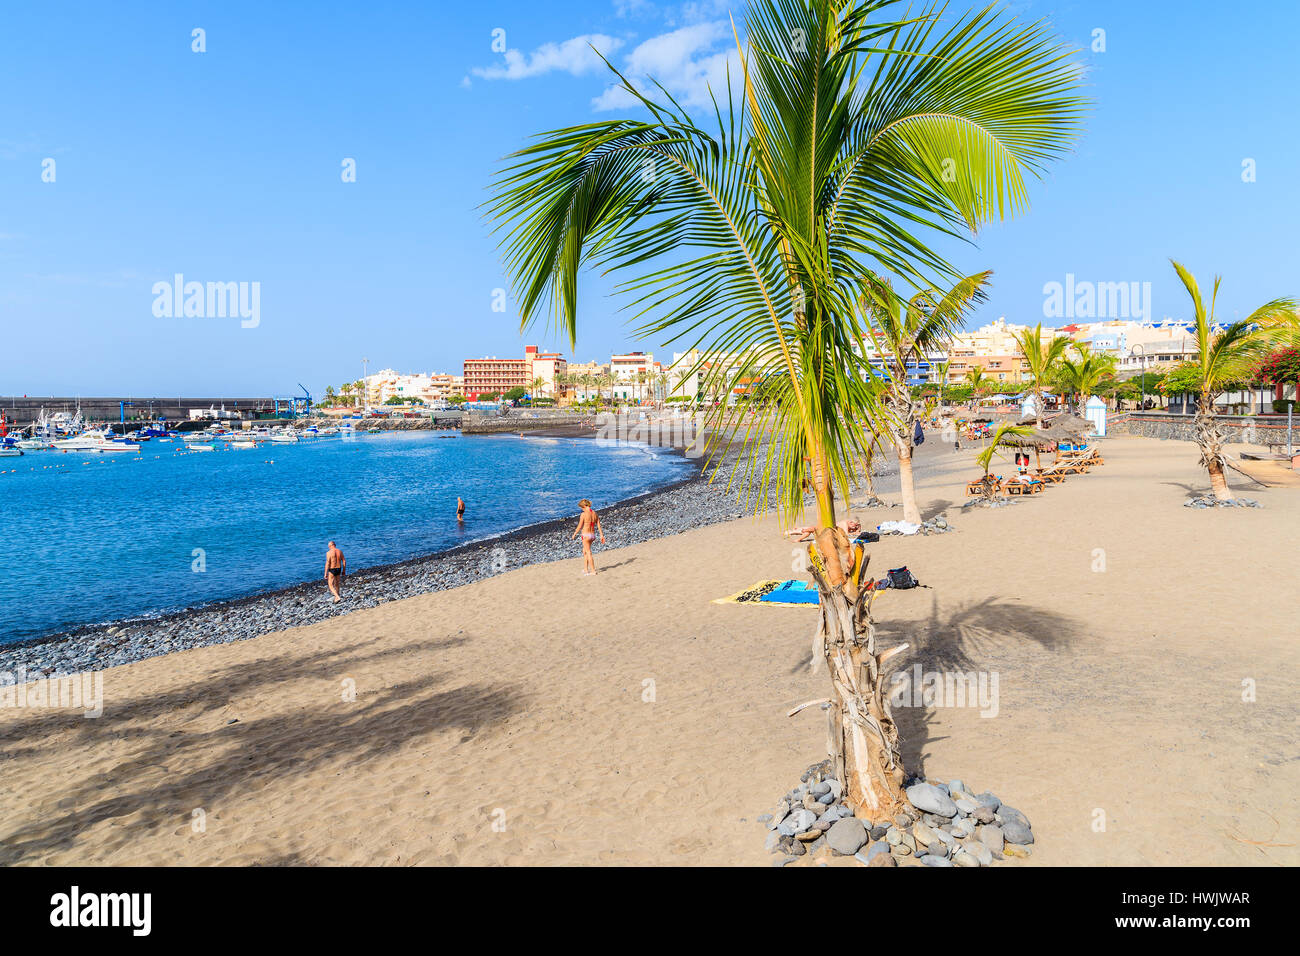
point(1142, 374)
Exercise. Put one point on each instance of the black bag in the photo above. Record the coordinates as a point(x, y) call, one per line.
point(902, 578)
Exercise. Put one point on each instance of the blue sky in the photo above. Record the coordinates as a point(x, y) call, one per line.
point(225, 166)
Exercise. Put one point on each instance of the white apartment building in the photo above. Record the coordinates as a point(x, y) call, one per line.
point(427, 387)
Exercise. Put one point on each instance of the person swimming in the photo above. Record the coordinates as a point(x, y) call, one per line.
point(588, 527)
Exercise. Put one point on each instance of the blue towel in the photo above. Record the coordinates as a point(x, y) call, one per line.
point(792, 592)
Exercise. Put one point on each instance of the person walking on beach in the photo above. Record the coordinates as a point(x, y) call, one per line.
point(336, 567)
point(588, 527)
point(460, 510)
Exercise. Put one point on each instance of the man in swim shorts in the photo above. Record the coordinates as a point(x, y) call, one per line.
point(336, 567)
point(588, 527)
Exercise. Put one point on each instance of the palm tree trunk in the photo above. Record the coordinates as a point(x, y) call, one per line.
point(862, 736)
point(907, 483)
point(1210, 441)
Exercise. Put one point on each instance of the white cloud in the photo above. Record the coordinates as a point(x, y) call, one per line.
point(687, 62)
point(575, 57)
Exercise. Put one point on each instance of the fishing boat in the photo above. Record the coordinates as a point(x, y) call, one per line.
point(95, 443)
point(33, 444)
point(10, 451)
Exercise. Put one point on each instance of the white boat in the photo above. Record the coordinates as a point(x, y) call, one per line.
point(33, 444)
point(284, 438)
point(90, 442)
point(243, 443)
point(201, 447)
point(10, 451)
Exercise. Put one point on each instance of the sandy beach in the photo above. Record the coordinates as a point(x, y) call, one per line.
point(539, 717)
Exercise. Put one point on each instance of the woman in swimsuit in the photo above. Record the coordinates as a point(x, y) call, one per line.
point(588, 527)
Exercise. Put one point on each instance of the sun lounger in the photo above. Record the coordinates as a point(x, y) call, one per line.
point(1025, 486)
point(977, 488)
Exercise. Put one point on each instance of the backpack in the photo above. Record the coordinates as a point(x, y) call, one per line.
point(902, 578)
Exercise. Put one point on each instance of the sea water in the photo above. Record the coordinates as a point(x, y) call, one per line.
point(98, 537)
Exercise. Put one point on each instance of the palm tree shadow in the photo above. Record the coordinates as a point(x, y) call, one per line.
point(961, 639)
point(207, 765)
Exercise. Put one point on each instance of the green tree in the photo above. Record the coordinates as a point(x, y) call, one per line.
point(852, 134)
point(1042, 358)
point(903, 332)
point(1227, 355)
point(1081, 376)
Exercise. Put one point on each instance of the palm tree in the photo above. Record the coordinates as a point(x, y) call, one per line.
point(903, 332)
point(539, 384)
point(1042, 358)
point(850, 135)
point(985, 458)
point(975, 378)
point(1081, 378)
point(1228, 354)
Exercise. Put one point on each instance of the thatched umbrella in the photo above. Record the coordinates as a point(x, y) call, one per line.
point(1037, 440)
point(1068, 426)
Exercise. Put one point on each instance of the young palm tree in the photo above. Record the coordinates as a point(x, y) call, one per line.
point(903, 332)
point(1082, 377)
point(1229, 354)
point(975, 378)
point(1042, 358)
point(985, 458)
point(539, 384)
point(853, 133)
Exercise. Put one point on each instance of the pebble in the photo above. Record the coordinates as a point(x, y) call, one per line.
point(878, 831)
point(963, 858)
point(782, 860)
point(773, 843)
point(938, 848)
point(882, 859)
point(820, 788)
point(801, 820)
point(893, 836)
point(877, 849)
point(991, 837)
point(931, 860)
point(966, 806)
point(846, 836)
point(987, 799)
point(931, 799)
point(1012, 815)
point(1015, 833)
point(1012, 849)
point(983, 815)
point(807, 836)
point(924, 834)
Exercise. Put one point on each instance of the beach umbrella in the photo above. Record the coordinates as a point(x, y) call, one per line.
point(1035, 439)
point(1068, 425)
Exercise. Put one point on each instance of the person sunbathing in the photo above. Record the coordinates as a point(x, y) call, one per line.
point(850, 526)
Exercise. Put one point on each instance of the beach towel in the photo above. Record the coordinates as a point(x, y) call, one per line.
point(775, 594)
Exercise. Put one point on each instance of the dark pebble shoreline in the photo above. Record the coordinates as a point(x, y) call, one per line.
point(682, 506)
